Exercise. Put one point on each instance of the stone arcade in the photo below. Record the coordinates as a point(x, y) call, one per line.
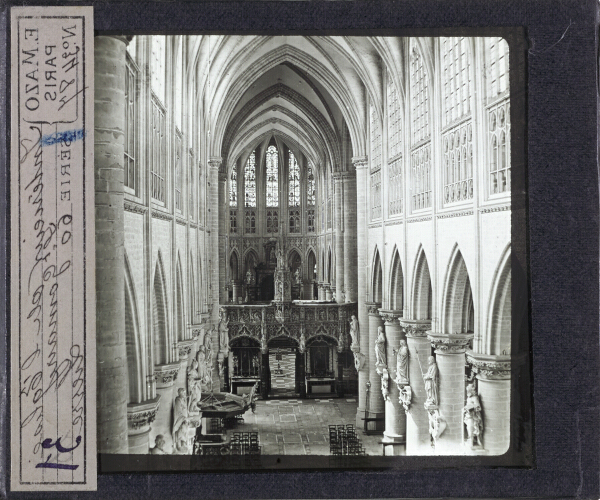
point(337, 205)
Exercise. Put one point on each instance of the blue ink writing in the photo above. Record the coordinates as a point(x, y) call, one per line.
point(68, 136)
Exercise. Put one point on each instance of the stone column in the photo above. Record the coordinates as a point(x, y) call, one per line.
point(340, 373)
point(328, 292)
point(165, 380)
point(339, 237)
point(140, 417)
point(493, 387)
point(216, 256)
point(376, 402)
point(350, 243)
point(223, 232)
point(265, 377)
point(360, 243)
point(236, 290)
point(450, 358)
point(111, 354)
point(395, 417)
point(418, 440)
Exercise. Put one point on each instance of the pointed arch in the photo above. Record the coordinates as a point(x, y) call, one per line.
point(234, 268)
point(159, 314)
point(311, 263)
point(396, 283)
point(458, 308)
point(134, 348)
point(498, 340)
point(422, 291)
point(377, 279)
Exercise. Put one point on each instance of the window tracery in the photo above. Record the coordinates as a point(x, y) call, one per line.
point(294, 181)
point(272, 171)
point(250, 180)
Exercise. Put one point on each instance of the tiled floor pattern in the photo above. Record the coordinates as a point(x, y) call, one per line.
point(300, 427)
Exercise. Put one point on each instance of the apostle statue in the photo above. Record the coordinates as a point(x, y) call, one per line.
point(223, 332)
point(385, 385)
point(302, 343)
point(159, 445)
point(194, 388)
point(380, 347)
point(402, 363)
point(354, 331)
point(472, 417)
point(180, 410)
point(181, 439)
point(431, 379)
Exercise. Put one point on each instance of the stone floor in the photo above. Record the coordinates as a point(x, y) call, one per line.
point(301, 426)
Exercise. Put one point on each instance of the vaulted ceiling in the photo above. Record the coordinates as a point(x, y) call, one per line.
point(309, 92)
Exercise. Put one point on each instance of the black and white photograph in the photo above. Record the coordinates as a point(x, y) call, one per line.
point(304, 250)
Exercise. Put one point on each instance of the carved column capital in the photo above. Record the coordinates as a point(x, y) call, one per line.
point(214, 162)
point(415, 327)
point(390, 316)
point(451, 343)
point(141, 415)
point(166, 374)
point(185, 347)
point(373, 308)
point(490, 367)
point(360, 162)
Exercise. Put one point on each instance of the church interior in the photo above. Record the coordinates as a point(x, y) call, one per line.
point(303, 245)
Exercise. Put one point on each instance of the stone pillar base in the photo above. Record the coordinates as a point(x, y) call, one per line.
point(394, 445)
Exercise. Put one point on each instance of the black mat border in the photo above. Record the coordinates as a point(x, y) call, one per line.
point(564, 244)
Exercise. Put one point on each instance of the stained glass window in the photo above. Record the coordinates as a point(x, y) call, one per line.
point(233, 189)
point(394, 119)
point(311, 196)
point(456, 78)
point(158, 66)
point(130, 125)
point(272, 171)
point(159, 147)
point(294, 181)
point(178, 171)
point(497, 67)
point(250, 221)
point(419, 99)
point(250, 180)
point(375, 140)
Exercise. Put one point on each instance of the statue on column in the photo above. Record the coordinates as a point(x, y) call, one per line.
point(180, 410)
point(359, 360)
point(181, 439)
point(194, 388)
point(385, 384)
point(223, 332)
point(402, 363)
point(380, 350)
point(431, 379)
point(354, 332)
point(472, 417)
point(302, 343)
